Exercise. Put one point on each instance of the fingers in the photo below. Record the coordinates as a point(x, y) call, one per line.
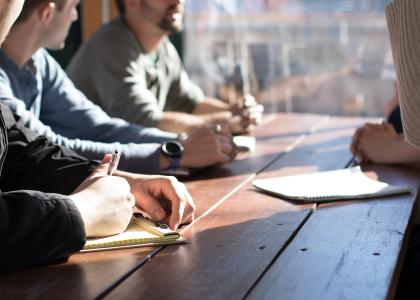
point(227, 149)
point(166, 192)
point(132, 200)
point(102, 168)
point(252, 115)
point(151, 206)
point(189, 207)
point(225, 130)
point(389, 128)
point(173, 191)
point(253, 111)
point(107, 158)
point(177, 200)
point(356, 140)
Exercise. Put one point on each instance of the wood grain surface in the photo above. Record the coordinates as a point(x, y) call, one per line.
point(233, 245)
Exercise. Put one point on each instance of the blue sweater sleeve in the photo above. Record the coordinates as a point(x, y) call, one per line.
point(74, 122)
point(74, 116)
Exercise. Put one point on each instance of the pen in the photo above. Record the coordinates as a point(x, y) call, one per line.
point(113, 165)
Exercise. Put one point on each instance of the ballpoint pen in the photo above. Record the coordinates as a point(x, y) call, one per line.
point(113, 165)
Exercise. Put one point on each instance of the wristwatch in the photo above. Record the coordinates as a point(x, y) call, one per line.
point(173, 151)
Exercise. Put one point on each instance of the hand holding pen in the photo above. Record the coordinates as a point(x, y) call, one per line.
point(105, 202)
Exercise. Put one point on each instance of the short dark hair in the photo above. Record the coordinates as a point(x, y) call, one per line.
point(30, 5)
point(121, 6)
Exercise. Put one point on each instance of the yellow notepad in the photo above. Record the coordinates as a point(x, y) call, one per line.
point(342, 184)
point(140, 232)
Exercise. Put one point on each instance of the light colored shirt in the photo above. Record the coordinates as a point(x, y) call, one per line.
point(114, 71)
point(403, 17)
point(46, 100)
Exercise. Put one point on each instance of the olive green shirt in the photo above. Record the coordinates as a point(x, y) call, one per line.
point(114, 71)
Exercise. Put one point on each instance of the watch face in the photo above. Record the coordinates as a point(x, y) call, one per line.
point(172, 149)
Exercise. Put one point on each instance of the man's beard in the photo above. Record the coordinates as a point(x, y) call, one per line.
point(171, 27)
point(166, 25)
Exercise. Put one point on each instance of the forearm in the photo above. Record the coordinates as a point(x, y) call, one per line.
point(182, 122)
point(407, 153)
point(398, 151)
point(210, 105)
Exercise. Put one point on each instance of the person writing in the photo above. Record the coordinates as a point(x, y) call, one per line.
point(51, 199)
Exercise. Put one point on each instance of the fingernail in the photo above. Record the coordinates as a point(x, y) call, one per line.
point(159, 214)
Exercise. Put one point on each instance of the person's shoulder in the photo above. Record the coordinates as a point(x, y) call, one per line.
point(43, 60)
point(113, 41)
point(115, 32)
point(5, 77)
point(6, 66)
point(42, 55)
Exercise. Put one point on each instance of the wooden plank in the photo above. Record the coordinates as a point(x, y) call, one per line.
point(327, 148)
point(346, 250)
point(88, 275)
point(233, 245)
point(274, 139)
point(228, 251)
point(81, 278)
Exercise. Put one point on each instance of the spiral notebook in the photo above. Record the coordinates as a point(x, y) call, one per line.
point(140, 232)
point(327, 186)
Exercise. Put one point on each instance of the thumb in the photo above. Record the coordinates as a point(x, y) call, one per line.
point(107, 158)
point(102, 168)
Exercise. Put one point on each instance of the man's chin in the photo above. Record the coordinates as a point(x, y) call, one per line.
point(172, 27)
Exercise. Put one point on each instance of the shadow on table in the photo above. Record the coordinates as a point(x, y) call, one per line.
point(88, 275)
point(327, 152)
point(274, 137)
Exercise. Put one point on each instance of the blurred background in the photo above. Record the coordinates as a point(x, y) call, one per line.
point(316, 56)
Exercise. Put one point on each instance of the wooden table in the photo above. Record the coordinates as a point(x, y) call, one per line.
point(245, 244)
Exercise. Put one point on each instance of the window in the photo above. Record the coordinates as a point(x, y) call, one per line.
point(319, 56)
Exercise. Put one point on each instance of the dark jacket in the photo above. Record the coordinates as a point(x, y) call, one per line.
point(38, 223)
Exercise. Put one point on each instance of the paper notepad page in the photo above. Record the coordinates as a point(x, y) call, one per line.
point(342, 184)
point(140, 232)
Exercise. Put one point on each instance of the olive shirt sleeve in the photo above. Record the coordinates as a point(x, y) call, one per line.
point(38, 222)
point(404, 30)
point(184, 94)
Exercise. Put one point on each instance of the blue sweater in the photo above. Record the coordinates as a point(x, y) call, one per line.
point(47, 101)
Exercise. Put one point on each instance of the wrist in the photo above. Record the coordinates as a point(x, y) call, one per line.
point(163, 161)
point(172, 151)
